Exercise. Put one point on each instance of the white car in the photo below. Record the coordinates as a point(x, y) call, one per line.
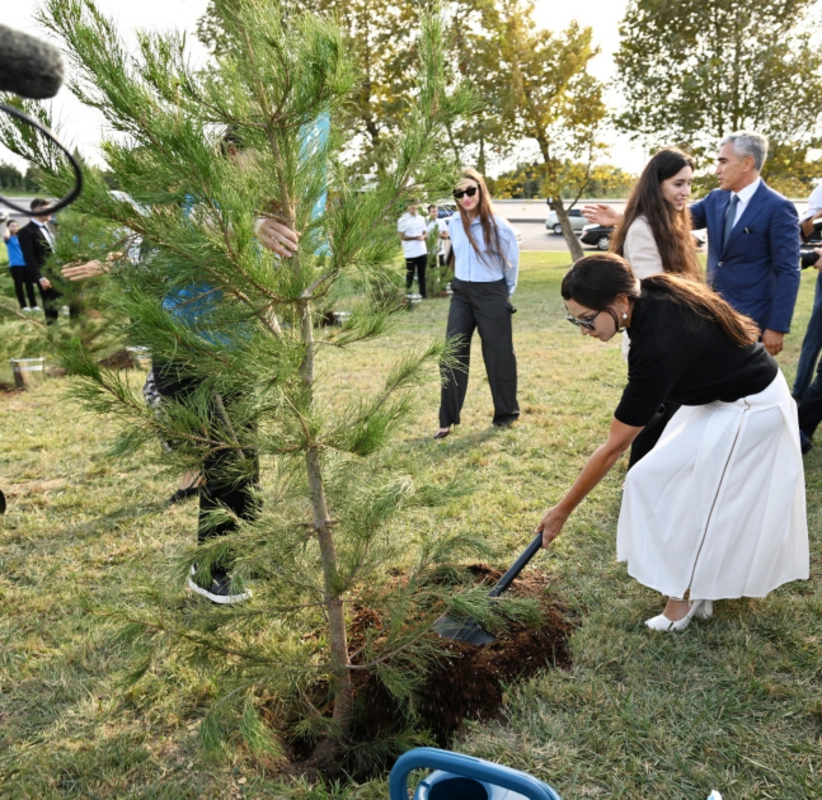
point(574, 217)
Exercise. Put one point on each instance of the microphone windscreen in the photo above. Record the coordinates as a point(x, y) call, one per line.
point(29, 67)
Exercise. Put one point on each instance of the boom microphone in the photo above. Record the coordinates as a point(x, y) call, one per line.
point(29, 67)
point(33, 69)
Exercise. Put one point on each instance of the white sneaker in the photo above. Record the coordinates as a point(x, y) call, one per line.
point(27, 309)
point(37, 308)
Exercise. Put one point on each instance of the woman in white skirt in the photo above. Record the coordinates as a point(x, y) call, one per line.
point(717, 509)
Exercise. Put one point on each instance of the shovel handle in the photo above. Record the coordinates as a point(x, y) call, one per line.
point(506, 580)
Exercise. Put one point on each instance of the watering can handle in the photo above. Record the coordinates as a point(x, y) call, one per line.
point(464, 766)
point(506, 580)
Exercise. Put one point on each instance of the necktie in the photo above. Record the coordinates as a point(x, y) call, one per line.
point(730, 216)
point(48, 236)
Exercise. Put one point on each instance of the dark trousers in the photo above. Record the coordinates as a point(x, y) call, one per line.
point(220, 488)
point(51, 305)
point(417, 263)
point(20, 276)
point(483, 306)
point(649, 435)
point(810, 408)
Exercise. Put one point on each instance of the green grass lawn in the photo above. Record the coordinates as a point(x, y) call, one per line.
point(733, 704)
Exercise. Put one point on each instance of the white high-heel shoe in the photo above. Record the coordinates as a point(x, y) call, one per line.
point(701, 609)
point(705, 610)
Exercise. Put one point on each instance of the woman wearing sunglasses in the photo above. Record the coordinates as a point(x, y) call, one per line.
point(486, 260)
point(717, 509)
point(654, 236)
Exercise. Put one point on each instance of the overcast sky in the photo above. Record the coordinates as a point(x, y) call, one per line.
point(81, 127)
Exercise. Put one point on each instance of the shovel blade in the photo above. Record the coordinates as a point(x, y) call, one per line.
point(467, 630)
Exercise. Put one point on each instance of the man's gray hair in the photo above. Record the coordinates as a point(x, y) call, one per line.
point(748, 143)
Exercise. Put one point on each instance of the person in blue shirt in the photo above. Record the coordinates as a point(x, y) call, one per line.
point(195, 306)
point(486, 262)
point(23, 284)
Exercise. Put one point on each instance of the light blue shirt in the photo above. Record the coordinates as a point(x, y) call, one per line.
point(468, 266)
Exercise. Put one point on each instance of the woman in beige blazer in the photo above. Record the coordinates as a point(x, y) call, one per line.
point(654, 236)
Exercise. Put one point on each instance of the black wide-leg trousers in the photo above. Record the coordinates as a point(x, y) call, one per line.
point(484, 307)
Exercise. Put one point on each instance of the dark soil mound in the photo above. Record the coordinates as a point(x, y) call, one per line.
point(466, 682)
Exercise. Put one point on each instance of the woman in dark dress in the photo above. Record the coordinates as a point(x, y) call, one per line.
point(717, 509)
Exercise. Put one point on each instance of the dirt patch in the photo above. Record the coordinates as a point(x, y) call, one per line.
point(466, 682)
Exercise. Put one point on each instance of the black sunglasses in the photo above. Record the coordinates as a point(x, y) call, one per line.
point(470, 191)
point(588, 324)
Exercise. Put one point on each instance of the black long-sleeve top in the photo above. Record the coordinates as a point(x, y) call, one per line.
point(684, 358)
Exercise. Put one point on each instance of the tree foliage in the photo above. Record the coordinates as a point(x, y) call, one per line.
point(692, 71)
point(383, 42)
point(552, 100)
point(324, 538)
point(601, 181)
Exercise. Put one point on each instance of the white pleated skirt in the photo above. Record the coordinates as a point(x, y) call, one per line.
point(718, 506)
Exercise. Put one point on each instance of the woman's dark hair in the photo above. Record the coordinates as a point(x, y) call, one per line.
point(596, 281)
point(671, 228)
point(486, 217)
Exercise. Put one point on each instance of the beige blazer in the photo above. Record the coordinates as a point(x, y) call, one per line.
point(641, 251)
point(642, 254)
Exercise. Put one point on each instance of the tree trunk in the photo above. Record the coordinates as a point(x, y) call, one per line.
point(567, 231)
point(337, 635)
point(559, 204)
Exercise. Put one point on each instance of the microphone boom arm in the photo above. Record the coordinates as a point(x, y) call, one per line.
point(78, 173)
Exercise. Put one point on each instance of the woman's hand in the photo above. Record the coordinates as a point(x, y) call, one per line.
point(551, 524)
point(277, 237)
point(600, 214)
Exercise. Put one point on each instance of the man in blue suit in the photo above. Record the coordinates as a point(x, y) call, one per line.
point(753, 239)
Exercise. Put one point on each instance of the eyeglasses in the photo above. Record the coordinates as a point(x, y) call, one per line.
point(588, 324)
point(470, 191)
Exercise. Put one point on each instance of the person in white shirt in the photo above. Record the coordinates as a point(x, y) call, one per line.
point(812, 341)
point(413, 231)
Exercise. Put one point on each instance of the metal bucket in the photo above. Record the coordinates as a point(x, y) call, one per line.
point(28, 372)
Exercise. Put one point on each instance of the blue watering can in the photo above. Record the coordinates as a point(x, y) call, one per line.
point(460, 777)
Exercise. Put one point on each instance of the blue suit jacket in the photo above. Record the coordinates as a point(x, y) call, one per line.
point(758, 272)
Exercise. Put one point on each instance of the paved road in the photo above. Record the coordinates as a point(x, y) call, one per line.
point(535, 237)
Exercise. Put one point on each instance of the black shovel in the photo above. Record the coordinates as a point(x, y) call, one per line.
point(469, 630)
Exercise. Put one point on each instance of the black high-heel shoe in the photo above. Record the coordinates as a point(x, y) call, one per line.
point(442, 433)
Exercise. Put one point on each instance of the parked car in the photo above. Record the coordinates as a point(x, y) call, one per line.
point(597, 235)
point(574, 217)
point(445, 207)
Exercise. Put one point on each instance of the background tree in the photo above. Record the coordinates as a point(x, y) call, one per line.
point(603, 181)
point(323, 540)
point(10, 177)
point(553, 100)
point(692, 71)
point(382, 40)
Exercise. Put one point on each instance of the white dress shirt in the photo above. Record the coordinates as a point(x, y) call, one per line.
point(413, 225)
point(44, 229)
point(745, 196)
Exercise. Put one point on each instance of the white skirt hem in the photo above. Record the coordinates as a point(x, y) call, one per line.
point(717, 508)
